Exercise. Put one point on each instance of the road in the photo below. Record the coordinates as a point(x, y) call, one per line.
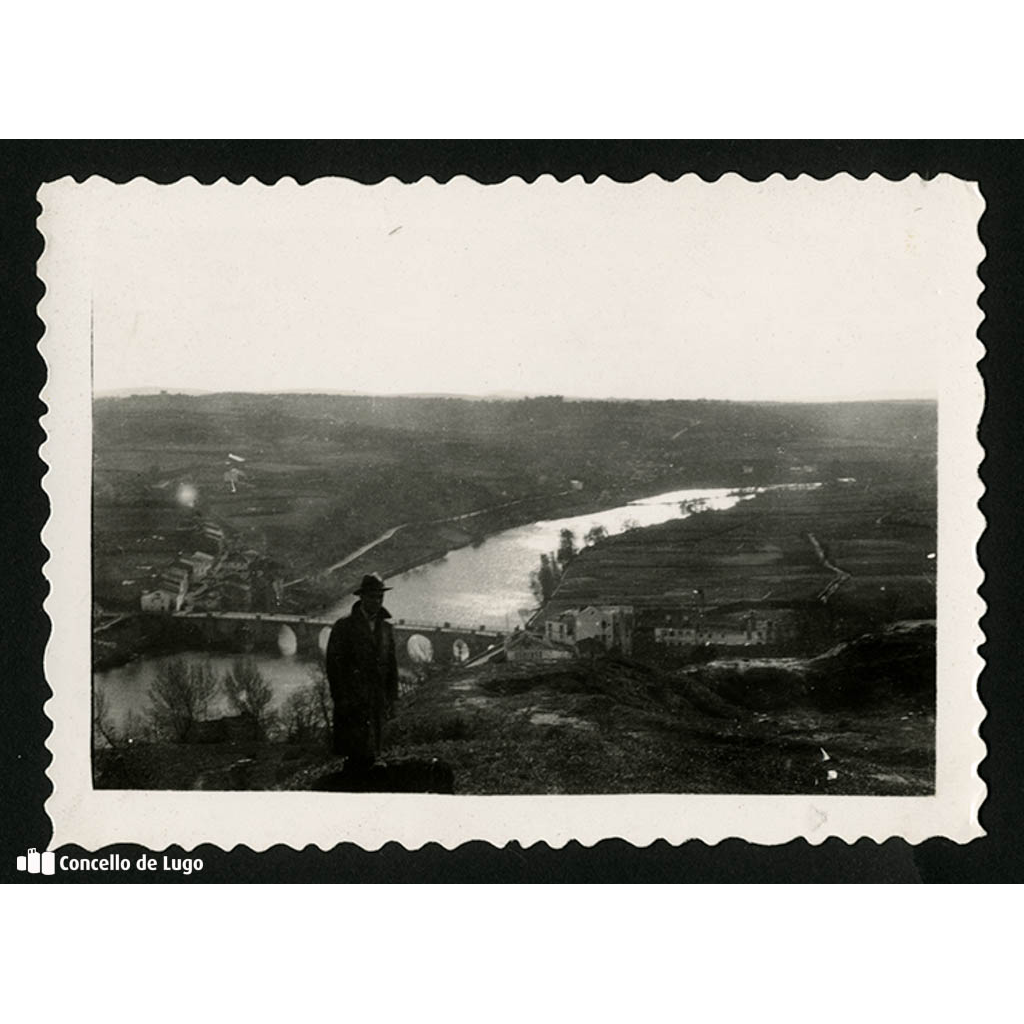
point(841, 575)
point(386, 535)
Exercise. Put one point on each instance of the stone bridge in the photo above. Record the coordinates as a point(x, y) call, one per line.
point(306, 635)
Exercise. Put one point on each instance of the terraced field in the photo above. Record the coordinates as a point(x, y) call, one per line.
point(879, 541)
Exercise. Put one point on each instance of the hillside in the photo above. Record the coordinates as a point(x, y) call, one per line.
point(857, 719)
point(832, 562)
point(622, 727)
point(326, 474)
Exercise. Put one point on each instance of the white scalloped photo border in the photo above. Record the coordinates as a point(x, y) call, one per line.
point(156, 819)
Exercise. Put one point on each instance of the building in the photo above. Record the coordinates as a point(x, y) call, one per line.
point(159, 600)
point(610, 625)
point(211, 536)
point(235, 594)
point(745, 631)
point(199, 563)
point(175, 580)
point(530, 647)
point(562, 628)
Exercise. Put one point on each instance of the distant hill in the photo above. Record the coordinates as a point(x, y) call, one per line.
point(325, 474)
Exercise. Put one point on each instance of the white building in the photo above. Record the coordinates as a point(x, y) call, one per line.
point(175, 580)
point(610, 625)
point(159, 600)
point(746, 632)
point(199, 564)
point(530, 647)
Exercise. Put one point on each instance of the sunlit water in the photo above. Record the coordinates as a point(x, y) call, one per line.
point(483, 585)
point(489, 584)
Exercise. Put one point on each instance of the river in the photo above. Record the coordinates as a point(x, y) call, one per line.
point(486, 584)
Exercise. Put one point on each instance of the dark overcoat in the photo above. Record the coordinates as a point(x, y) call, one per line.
point(362, 671)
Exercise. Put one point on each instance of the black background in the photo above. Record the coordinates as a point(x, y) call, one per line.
point(24, 787)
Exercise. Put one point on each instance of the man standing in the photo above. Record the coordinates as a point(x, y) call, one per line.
point(362, 671)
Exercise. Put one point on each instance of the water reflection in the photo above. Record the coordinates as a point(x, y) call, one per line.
point(127, 687)
point(489, 584)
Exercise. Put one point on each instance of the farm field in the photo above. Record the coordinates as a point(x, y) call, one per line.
point(862, 555)
point(325, 474)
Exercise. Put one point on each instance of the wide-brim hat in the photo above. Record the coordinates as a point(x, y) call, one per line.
point(371, 584)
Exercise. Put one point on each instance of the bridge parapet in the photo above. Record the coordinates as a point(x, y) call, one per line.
point(417, 643)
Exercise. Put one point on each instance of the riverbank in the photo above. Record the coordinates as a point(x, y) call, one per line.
point(147, 635)
point(400, 550)
point(326, 475)
point(418, 544)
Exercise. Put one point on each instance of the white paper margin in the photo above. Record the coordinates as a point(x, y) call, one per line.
point(94, 818)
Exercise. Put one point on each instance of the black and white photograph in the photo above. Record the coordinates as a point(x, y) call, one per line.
point(551, 490)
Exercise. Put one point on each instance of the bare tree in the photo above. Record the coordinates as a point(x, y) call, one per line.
point(180, 696)
point(306, 713)
point(322, 693)
point(250, 694)
point(118, 735)
point(105, 729)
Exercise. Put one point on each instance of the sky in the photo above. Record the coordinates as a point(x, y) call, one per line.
point(778, 290)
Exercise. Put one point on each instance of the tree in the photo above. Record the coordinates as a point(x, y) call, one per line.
point(544, 582)
point(306, 713)
point(107, 731)
point(250, 694)
point(566, 547)
point(180, 696)
point(535, 588)
point(595, 535)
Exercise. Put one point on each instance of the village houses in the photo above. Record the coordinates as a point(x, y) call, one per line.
point(524, 646)
point(606, 626)
point(746, 631)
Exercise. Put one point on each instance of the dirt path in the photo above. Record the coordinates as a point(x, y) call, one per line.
point(387, 535)
point(841, 575)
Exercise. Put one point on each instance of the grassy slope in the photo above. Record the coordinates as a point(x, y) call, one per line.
point(612, 726)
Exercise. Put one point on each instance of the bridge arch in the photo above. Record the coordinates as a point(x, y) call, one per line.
point(419, 649)
point(287, 641)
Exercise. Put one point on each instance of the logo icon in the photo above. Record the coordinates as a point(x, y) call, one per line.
point(36, 863)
